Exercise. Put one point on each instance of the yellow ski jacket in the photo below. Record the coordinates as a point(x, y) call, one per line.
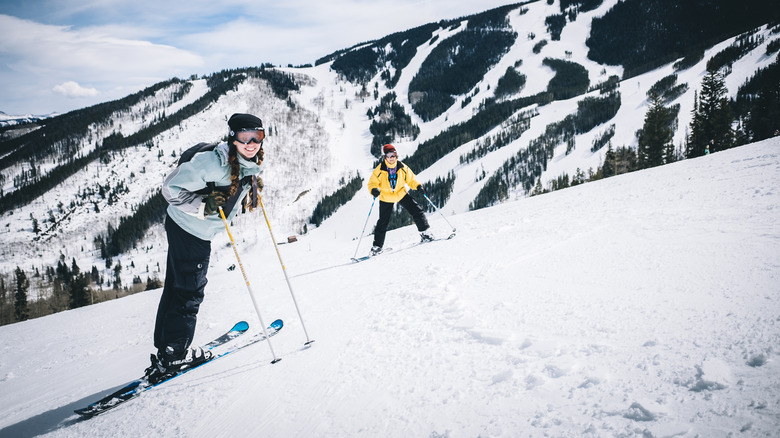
point(380, 179)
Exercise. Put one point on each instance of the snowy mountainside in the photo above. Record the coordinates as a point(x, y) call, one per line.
point(640, 305)
point(140, 171)
point(11, 120)
point(319, 137)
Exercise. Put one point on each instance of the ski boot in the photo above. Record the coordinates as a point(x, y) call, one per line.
point(167, 364)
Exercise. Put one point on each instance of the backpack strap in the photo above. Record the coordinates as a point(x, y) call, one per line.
point(233, 200)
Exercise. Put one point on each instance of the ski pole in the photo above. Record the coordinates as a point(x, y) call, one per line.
point(284, 270)
point(364, 228)
point(437, 209)
point(248, 286)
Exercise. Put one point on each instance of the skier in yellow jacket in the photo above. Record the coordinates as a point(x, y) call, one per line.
point(388, 183)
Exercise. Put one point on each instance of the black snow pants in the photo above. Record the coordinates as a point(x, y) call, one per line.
point(386, 209)
point(185, 281)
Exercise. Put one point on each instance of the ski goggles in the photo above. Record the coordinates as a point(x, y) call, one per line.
point(391, 155)
point(250, 136)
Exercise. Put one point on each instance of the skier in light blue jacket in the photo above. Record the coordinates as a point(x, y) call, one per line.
point(210, 177)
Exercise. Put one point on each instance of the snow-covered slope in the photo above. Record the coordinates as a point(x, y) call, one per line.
point(324, 140)
point(641, 305)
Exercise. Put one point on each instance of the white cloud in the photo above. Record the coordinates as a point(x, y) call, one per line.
point(91, 52)
point(120, 47)
point(38, 62)
point(73, 89)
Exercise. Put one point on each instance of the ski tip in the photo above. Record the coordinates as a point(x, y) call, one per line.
point(277, 324)
point(241, 326)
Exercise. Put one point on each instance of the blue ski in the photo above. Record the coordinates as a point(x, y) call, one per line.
point(386, 250)
point(138, 386)
point(360, 259)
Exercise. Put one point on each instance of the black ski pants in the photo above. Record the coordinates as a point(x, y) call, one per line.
point(386, 209)
point(185, 281)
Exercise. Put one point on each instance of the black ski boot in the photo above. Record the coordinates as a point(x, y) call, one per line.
point(167, 364)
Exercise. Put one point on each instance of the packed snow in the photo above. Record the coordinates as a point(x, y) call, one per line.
point(646, 304)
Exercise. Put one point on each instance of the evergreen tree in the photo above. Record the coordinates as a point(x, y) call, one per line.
point(117, 275)
point(329, 204)
point(58, 301)
point(695, 135)
point(22, 312)
point(579, 178)
point(5, 317)
point(712, 117)
point(538, 189)
point(79, 291)
point(512, 82)
point(63, 273)
point(758, 103)
point(625, 160)
point(656, 134)
point(95, 275)
point(153, 283)
point(609, 163)
point(74, 268)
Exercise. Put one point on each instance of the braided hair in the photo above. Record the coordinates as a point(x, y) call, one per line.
point(235, 174)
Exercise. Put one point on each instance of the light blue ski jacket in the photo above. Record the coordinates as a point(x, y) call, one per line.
point(186, 207)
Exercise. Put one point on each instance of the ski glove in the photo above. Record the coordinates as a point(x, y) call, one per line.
point(420, 189)
point(375, 192)
point(213, 201)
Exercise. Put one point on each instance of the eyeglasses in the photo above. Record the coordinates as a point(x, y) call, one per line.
point(391, 155)
point(250, 136)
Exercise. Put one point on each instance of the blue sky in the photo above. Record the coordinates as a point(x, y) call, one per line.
point(61, 55)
